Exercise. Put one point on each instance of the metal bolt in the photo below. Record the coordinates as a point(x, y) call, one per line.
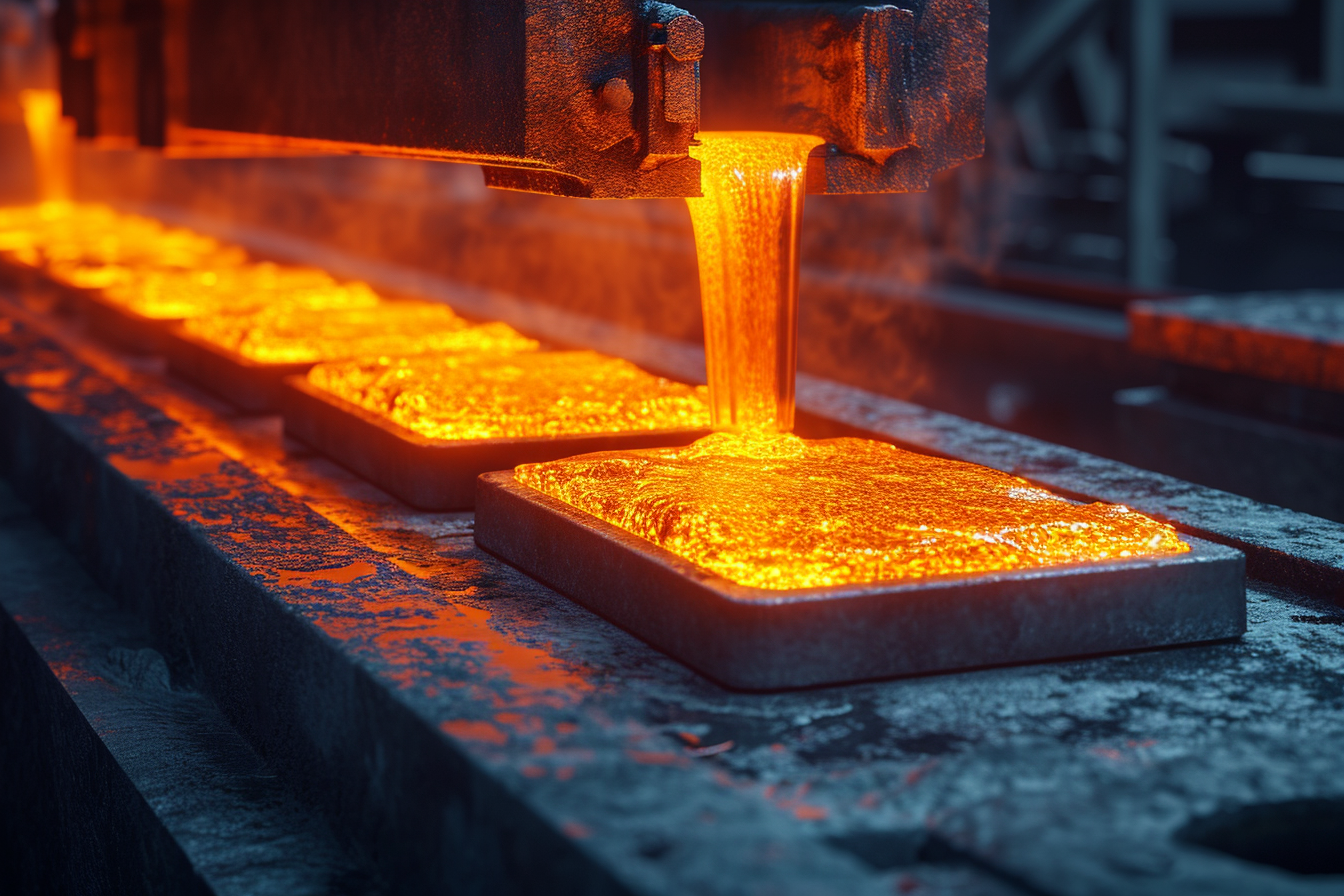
point(685, 38)
point(617, 95)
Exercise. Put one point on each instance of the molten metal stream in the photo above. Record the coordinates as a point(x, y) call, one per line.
point(769, 510)
point(746, 241)
point(773, 511)
point(52, 140)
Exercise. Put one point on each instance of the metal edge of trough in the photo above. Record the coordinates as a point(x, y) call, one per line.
point(248, 385)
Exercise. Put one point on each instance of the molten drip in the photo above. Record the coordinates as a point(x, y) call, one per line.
point(746, 241)
point(288, 335)
point(773, 511)
point(51, 138)
point(527, 395)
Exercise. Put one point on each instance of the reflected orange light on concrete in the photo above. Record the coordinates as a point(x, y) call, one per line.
point(771, 510)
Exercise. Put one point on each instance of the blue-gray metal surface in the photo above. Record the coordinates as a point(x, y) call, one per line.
point(120, 776)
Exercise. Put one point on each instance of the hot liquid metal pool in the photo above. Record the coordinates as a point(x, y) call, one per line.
point(425, 427)
point(535, 395)
point(92, 246)
point(245, 357)
point(126, 274)
point(776, 512)
point(289, 335)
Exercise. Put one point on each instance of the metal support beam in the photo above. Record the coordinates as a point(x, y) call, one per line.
point(1042, 42)
point(1332, 47)
point(1149, 45)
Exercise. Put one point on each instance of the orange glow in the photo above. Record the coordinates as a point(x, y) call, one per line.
point(287, 335)
point(160, 272)
point(52, 140)
point(93, 246)
point(773, 511)
point(528, 395)
point(746, 241)
point(170, 294)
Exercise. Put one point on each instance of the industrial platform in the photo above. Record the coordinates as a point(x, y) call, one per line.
point(403, 711)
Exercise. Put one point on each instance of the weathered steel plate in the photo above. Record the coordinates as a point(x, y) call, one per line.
point(432, 474)
point(1285, 337)
point(763, 640)
point(246, 384)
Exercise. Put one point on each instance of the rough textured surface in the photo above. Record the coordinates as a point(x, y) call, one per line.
point(432, 474)
point(119, 776)
point(1262, 459)
point(1293, 548)
point(779, 512)
point(469, 724)
point(1295, 338)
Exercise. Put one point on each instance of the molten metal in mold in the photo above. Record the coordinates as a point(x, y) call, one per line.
point(287, 335)
point(235, 289)
point(746, 242)
point(528, 395)
point(94, 246)
point(771, 510)
point(161, 272)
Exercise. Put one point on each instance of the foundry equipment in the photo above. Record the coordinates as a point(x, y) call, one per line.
point(597, 98)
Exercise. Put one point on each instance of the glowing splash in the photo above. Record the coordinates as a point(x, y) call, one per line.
point(528, 395)
point(774, 511)
point(52, 140)
point(746, 242)
point(287, 335)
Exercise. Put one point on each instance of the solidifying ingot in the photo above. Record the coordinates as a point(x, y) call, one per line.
point(774, 511)
point(289, 335)
point(527, 395)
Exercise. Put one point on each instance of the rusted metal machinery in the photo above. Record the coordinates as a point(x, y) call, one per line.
point(596, 98)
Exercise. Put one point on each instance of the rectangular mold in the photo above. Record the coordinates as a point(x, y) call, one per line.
point(755, 639)
point(20, 277)
point(432, 474)
point(62, 297)
point(246, 384)
point(120, 326)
